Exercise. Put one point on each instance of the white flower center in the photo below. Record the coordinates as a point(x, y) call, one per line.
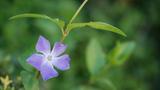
point(49, 58)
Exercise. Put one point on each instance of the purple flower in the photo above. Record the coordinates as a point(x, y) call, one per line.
point(47, 60)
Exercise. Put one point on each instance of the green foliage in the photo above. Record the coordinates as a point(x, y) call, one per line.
point(95, 57)
point(23, 61)
point(105, 84)
point(60, 23)
point(98, 26)
point(29, 81)
point(139, 19)
point(121, 53)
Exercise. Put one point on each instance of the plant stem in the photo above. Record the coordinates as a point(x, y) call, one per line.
point(65, 31)
point(63, 37)
point(37, 74)
point(77, 12)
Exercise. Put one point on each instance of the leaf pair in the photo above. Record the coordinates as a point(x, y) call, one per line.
point(96, 60)
point(69, 27)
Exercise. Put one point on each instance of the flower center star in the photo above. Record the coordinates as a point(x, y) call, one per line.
point(49, 58)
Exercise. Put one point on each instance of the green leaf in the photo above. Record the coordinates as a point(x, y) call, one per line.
point(60, 23)
point(105, 83)
point(95, 57)
point(29, 81)
point(23, 60)
point(121, 53)
point(98, 26)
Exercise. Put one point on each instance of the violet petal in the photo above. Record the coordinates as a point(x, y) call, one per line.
point(58, 49)
point(43, 45)
point(35, 60)
point(47, 71)
point(62, 62)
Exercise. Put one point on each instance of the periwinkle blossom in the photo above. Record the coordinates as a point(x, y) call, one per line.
point(46, 60)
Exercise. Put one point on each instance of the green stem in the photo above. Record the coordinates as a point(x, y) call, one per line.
point(63, 37)
point(77, 12)
point(37, 74)
point(65, 31)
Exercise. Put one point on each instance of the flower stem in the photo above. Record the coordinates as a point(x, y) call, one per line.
point(37, 74)
point(63, 37)
point(77, 12)
point(66, 32)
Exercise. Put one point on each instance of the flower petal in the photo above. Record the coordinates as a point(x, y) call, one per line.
point(62, 62)
point(43, 45)
point(35, 60)
point(47, 71)
point(58, 49)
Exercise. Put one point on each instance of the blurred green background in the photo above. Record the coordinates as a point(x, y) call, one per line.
point(133, 61)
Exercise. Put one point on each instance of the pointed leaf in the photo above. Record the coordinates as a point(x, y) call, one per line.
point(95, 57)
point(60, 23)
point(29, 81)
point(98, 26)
point(121, 53)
